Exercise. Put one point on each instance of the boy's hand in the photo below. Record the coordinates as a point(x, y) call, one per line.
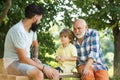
point(63, 59)
point(58, 58)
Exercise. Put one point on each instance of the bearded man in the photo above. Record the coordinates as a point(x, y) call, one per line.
point(90, 63)
point(19, 40)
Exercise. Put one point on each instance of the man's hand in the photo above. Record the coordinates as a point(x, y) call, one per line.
point(86, 71)
point(48, 72)
point(36, 60)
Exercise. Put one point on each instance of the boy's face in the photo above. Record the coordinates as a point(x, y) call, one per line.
point(64, 39)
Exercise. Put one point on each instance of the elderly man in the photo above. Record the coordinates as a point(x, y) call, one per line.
point(90, 63)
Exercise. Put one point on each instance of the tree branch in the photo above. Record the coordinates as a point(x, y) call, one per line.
point(98, 6)
point(5, 11)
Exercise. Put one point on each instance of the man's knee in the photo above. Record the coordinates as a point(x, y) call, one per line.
point(101, 75)
point(81, 67)
point(56, 74)
point(89, 77)
point(36, 74)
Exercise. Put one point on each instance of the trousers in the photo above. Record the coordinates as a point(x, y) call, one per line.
point(94, 75)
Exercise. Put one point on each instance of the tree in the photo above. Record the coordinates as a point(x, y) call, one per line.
point(104, 14)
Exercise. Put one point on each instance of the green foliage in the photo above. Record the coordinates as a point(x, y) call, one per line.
point(100, 14)
point(108, 51)
point(115, 78)
point(46, 46)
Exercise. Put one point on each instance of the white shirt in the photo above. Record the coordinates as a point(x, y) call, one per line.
point(18, 37)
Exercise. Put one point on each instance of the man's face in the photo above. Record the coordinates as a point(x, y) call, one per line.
point(36, 22)
point(79, 29)
point(38, 19)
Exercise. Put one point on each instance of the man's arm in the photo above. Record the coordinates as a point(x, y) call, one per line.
point(35, 49)
point(23, 59)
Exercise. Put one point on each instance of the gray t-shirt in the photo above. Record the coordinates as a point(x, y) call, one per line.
point(18, 37)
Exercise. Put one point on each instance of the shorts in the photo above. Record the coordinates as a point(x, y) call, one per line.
point(17, 68)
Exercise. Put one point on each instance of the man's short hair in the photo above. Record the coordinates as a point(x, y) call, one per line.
point(33, 9)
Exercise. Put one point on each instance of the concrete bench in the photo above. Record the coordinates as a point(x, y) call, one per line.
point(14, 77)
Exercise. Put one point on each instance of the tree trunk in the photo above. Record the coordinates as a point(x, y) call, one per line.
point(4, 13)
point(116, 34)
point(2, 16)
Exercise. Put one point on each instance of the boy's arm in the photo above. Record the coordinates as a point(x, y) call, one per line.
point(73, 58)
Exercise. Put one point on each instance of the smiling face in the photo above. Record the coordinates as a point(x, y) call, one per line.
point(79, 28)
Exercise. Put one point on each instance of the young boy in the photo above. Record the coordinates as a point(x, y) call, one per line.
point(66, 54)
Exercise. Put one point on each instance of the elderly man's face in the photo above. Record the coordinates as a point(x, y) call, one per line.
point(79, 29)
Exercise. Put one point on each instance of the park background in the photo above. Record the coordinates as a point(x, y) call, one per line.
point(103, 15)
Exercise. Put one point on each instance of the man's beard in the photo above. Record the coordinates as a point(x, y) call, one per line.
point(34, 26)
point(80, 35)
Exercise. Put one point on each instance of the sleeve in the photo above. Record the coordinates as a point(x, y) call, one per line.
point(34, 36)
point(18, 39)
point(94, 46)
point(74, 50)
